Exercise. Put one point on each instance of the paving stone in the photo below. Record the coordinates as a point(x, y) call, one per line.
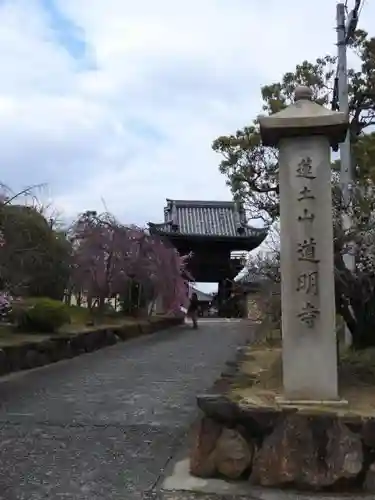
point(105, 425)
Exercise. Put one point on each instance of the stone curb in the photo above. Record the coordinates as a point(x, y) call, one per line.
point(35, 354)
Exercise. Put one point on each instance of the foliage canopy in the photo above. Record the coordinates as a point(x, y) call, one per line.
point(251, 170)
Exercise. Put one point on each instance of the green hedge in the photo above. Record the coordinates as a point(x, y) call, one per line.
point(40, 315)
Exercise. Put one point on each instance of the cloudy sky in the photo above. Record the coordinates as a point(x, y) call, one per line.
point(120, 100)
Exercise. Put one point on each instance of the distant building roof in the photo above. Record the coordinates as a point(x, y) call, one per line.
point(202, 296)
point(206, 218)
point(249, 276)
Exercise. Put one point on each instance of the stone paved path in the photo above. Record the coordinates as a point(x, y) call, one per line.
point(104, 426)
point(183, 495)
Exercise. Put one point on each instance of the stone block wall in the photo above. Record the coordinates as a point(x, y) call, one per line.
point(55, 348)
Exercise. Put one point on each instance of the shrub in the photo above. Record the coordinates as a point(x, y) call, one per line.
point(5, 305)
point(104, 313)
point(78, 314)
point(270, 303)
point(40, 315)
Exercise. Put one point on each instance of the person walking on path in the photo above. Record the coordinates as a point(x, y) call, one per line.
point(193, 309)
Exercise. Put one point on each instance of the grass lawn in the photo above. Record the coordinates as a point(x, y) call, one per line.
point(81, 320)
point(79, 324)
point(9, 337)
point(77, 327)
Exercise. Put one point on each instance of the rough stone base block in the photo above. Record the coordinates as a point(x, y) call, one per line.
point(309, 454)
point(217, 449)
point(284, 447)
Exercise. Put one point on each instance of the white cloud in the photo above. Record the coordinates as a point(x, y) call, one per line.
point(132, 122)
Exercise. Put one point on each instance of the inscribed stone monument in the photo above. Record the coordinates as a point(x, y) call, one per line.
point(303, 133)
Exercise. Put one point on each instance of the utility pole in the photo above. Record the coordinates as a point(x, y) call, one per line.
point(344, 35)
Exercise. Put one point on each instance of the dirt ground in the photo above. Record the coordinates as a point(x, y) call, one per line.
point(259, 380)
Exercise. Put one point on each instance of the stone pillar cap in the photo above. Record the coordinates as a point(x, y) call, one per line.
point(303, 118)
point(303, 93)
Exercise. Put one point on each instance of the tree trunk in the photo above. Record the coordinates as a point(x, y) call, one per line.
point(151, 306)
point(139, 297)
point(364, 334)
point(101, 304)
point(359, 316)
point(89, 302)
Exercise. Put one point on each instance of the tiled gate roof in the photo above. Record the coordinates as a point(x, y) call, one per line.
point(208, 218)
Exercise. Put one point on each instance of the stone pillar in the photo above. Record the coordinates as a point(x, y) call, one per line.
point(303, 133)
